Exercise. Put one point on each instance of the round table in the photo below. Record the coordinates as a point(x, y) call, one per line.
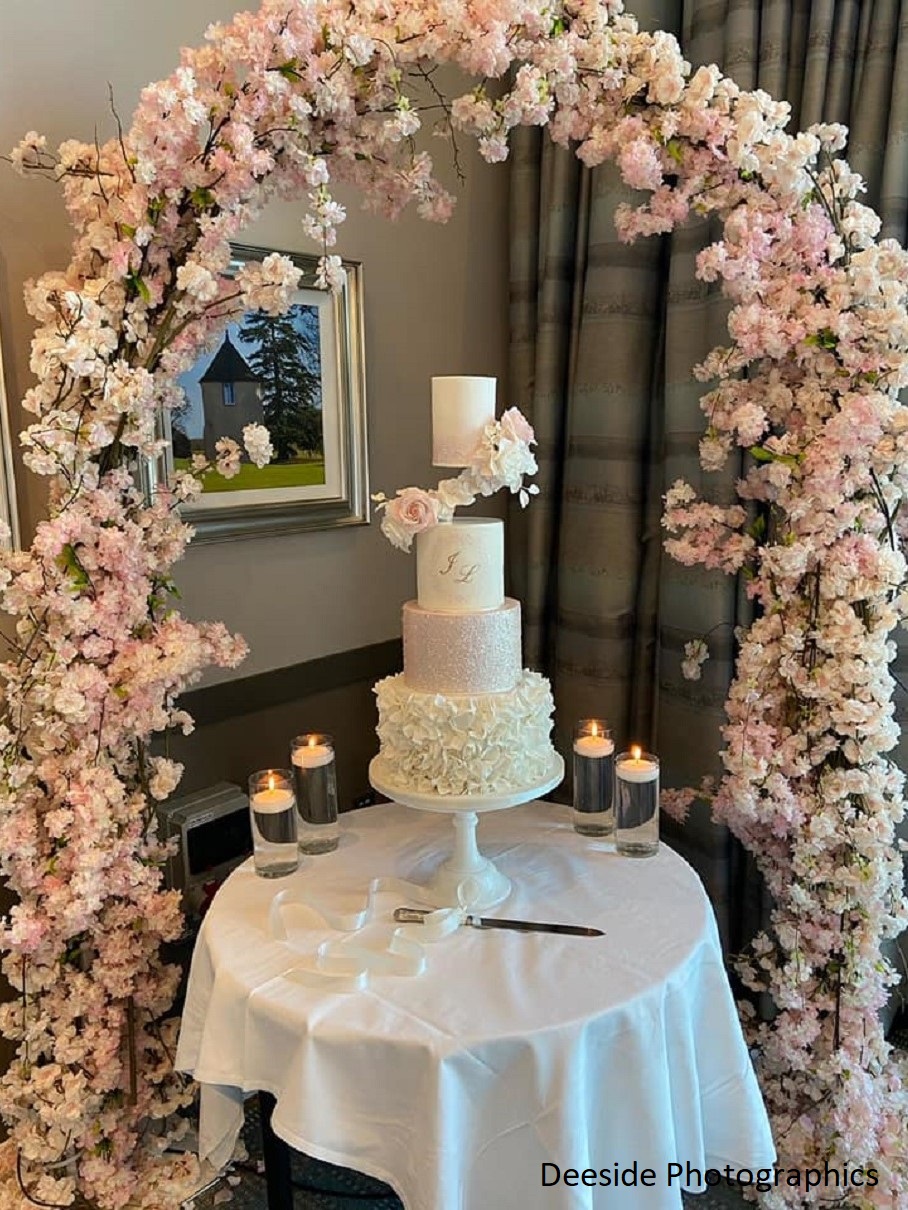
point(514, 1059)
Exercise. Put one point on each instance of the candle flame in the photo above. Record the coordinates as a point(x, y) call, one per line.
point(594, 730)
point(270, 781)
point(312, 741)
point(636, 752)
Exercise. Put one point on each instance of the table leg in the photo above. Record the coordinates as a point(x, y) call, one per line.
point(276, 1155)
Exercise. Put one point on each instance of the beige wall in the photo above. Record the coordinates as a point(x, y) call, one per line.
point(435, 303)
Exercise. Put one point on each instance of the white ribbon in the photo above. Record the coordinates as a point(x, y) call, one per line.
point(338, 966)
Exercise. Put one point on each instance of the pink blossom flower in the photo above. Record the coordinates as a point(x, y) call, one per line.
point(198, 281)
point(270, 284)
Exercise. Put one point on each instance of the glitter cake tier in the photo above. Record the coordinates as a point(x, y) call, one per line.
point(462, 652)
point(454, 744)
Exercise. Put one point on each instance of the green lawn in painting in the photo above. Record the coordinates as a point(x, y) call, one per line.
point(303, 473)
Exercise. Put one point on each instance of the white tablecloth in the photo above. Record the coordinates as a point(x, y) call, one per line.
point(510, 1051)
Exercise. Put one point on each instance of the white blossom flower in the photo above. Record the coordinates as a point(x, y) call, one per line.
point(228, 457)
point(197, 281)
point(257, 441)
point(696, 653)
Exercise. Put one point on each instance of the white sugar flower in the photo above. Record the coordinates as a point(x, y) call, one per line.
point(454, 493)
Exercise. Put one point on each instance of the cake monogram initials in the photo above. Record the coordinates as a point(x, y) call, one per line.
point(463, 574)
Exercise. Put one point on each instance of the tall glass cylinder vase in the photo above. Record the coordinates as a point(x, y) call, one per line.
point(273, 811)
point(637, 803)
point(594, 778)
point(315, 778)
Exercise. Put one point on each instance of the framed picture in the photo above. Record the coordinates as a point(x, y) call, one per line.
point(302, 376)
point(8, 507)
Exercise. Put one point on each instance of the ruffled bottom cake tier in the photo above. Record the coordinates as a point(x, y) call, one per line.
point(456, 744)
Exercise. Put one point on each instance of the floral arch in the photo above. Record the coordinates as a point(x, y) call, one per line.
point(280, 103)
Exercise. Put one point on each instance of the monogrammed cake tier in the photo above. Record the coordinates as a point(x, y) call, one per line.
point(462, 652)
point(460, 565)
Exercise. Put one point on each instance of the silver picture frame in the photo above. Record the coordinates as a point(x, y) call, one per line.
point(342, 498)
point(9, 511)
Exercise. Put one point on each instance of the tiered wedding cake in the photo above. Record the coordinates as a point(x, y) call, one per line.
point(464, 717)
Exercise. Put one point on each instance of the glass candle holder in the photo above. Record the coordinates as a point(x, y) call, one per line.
point(594, 778)
point(315, 777)
point(272, 807)
point(637, 803)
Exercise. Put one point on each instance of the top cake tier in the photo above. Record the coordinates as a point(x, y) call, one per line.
point(460, 565)
point(461, 409)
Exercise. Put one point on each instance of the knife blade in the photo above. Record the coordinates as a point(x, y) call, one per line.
point(405, 915)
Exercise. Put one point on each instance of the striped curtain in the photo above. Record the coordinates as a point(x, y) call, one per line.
point(603, 338)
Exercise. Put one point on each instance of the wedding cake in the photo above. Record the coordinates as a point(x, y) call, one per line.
point(464, 717)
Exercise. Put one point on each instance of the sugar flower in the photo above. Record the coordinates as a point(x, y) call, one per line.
point(502, 459)
point(410, 512)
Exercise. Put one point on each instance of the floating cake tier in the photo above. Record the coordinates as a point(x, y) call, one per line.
point(462, 652)
point(462, 406)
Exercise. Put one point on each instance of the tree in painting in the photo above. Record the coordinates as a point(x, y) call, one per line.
point(287, 358)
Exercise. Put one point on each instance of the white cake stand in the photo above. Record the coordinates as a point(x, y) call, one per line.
point(466, 878)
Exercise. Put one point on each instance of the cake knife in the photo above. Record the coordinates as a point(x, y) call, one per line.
point(405, 915)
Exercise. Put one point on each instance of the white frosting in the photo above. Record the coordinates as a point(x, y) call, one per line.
point(466, 744)
point(476, 652)
point(460, 565)
point(461, 409)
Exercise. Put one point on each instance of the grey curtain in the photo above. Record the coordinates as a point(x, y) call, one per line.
point(603, 341)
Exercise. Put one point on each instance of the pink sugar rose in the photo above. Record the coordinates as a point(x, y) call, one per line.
point(516, 427)
point(409, 513)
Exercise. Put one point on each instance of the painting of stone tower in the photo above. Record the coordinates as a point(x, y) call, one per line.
point(231, 397)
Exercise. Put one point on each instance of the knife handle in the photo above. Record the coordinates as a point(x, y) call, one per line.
point(405, 915)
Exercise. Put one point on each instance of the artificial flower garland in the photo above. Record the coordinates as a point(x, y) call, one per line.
point(277, 104)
